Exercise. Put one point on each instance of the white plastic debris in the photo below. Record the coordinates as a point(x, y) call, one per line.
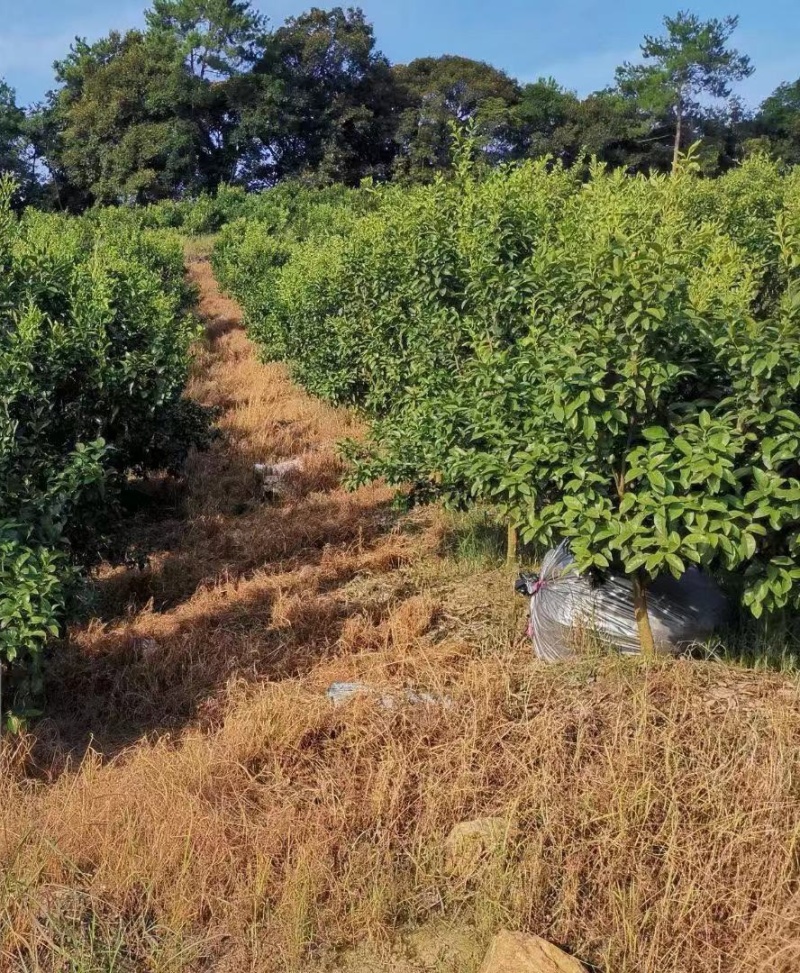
point(279, 469)
point(563, 603)
point(273, 477)
point(342, 692)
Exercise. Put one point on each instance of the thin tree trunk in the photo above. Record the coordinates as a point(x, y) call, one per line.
point(677, 148)
point(646, 640)
point(511, 551)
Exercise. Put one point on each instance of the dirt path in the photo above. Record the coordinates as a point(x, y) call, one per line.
point(236, 593)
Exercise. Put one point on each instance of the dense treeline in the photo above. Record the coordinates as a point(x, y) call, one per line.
point(208, 93)
point(610, 359)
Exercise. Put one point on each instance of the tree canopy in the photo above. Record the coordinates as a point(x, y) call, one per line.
point(777, 125)
point(321, 99)
point(216, 38)
point(437, 92)
point(690, 61)
point(209, 92)
point(15, 153)
point(125, 132)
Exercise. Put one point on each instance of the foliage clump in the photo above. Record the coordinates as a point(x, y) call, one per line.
point(94, 341)
point(614, 361)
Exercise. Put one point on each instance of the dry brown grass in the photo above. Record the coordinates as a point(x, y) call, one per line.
point(225, 816)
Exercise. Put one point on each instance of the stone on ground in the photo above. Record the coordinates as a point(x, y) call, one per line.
point(514, 952)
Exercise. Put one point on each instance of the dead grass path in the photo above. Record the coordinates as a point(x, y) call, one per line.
point(233, 587)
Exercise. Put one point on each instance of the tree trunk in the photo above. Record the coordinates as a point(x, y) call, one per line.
point(646, 641)
point(512, 544)
point(677, 148)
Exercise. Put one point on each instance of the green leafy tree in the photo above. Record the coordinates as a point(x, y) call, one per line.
point(776, 125)
point(605, 359)
point(11, 122)
point(612, 129)
point(56, 190)
point(150, 115)
point(16, 156)
point(125, 134)
point(217, 38)
point(548, 120)
point(544, 119)
point(442, 91)
point(322, 100)
point(690, 61)
point(719, 137)
point(94, 357)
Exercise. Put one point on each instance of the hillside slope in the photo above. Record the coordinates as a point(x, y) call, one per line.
point(194, 801)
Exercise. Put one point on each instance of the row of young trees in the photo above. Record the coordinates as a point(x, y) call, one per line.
point(95, 333)
point(606, 359)
point(207, 93)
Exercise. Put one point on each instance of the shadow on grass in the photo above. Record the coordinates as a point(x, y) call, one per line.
point(479, 537)
point(475, 537)
point(771, 643)
point(264, 605)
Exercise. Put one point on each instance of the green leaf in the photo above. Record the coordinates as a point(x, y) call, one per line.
point(676, 565)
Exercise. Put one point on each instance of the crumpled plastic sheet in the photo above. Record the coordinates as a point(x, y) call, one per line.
point(565, 604)
point(342, 692)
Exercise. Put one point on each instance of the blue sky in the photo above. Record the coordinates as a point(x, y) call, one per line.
point(579, 42)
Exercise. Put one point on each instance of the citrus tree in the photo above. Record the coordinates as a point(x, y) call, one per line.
point(662, 423)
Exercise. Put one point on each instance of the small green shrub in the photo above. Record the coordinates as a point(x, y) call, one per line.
point(283, 223)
